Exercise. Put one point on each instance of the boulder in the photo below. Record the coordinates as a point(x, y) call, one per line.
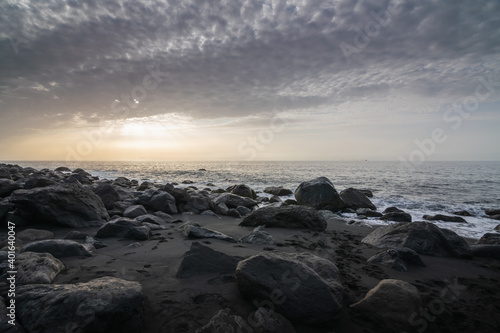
point(63, 169)
point(123, 182)
point(492, 212)
point(221, 209)
point(38, 181)
point(29, 235)
point(5, 208)
point(291, 202)
point(489, 238)
point(233, 200)
point(150, 218)
point(396, 217)
point(397, 258)
point(495, 217)
point(392, 209)
point(462, 213)
point(278, 190)
point(105, 304)
point(274, 199)
point(422, 237)
point(7, 186)
point(108, 194)
point(301, 286)
point(195, 232)
point(286, 217)
point(75, 234)
point(60, 248)
point(37, 268)
point(201, 259)
point(242, 190)
point(158, 200)
point(233, 213)
point(198, 203)
point(486, 250)
point(368, 212)
point(69, 205)
point(134, 211)
point(244, 211)
point(319, 193)
point(257, 236)
point(444, 218)
point(366, 192)
point(355, 199)
point(124, 228)
point(391, 303)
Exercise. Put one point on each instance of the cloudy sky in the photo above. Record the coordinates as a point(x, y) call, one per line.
point(241, 80)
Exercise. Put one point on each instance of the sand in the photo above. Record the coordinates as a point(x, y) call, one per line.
point(183, 305)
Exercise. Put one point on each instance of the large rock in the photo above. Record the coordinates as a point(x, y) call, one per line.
point(422, 237)
point(278, 190)
point(233, 200)
point(103, 305)
point(489, 238)
point(286, 217)
point(134, 211)
point(69, 205)
point(396, 217)
point(195, 232)
point(108, 194)
point(242, 190)
point(201, 259)
point(397, 258)
point(257, 236)
point(37, 268)
point(391, 303)
point(60, 248)
point(39, 181)
point(124, 228)
point(7, 186)
point(444, 218)
point(355, 199)
point(158, 200)
point(319, 193)
point(301, 286)
point(492, 212)
point(198, 203)
point(29, 235)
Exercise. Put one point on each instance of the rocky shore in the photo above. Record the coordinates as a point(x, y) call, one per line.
point(98, 255)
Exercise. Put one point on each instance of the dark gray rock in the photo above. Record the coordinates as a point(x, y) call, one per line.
point(59, 248)
point(319, 193)
point(201, 259)
point(462, 213)
point(422, 237)
point(106, 304)
point(486, 250)
point(198, 203)
point(302, 287)
point(275, 198)
point(63, 169)
point(286, 217)
point(75, 234)
point(150, 218)
point(242, 190)
point(495, 217)
point(444, 218)
point(291, 202)
point(258, 237)
point(390, 304)
point(124, 228)
point(195, 232)
point(233, 200)
point(397, 258)
point(489, 238)
point(278, 190)
point(108, 194)
point(123, 182)
point(5, 207)
point(38, 181)
point(492, 212)
point(29, 235)
point(396, 217)
point(233, 213)
point(392, 209)
point(68, 205)
point(134, 211)
point(37, 268)
point(221, 209)
point(158, 200)
point(368, 212)
point(355, 199)
point(366, 192)
point(8, 186)
point(244, 211)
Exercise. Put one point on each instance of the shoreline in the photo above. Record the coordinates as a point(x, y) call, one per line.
point(173, 304)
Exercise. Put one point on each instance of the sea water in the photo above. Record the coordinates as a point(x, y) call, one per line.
point(427, 188)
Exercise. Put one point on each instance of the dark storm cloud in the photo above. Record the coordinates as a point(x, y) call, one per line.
point(67, 60)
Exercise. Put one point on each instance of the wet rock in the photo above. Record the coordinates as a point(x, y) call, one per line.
point(310, 290)
point(221, 209)
point(124, 228)
point(492, 212)
point(275, 198)
point(244, 211)
point(233, 200)
point(134, 211)
point(108, 194)
point(396, 217)
point(397, 258)
point(368, 212)
point(198, 203)
point(355, 199)
point(444, 218)
point(291, 202)
point(37, 268)
point(158, 200)
point(242, 190)
point(150, 218)
point(233, 212)
point(489, 238)
point(201, 259)
point(38, 181)
point(60, 248)
point(278, 190)
point(63, 169)
point(68, 205)
point(196, 232)
point(319, 193)
point(391, 303)
point(258, 236)
point(462, 213)
point(392, 209)
point(286, 217)
point(106, 304)
point(422, 237)
point(7, 186)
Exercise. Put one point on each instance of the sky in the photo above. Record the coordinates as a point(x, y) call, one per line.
point(249, 80)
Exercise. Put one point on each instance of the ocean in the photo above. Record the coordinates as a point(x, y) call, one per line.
point(428, 188)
